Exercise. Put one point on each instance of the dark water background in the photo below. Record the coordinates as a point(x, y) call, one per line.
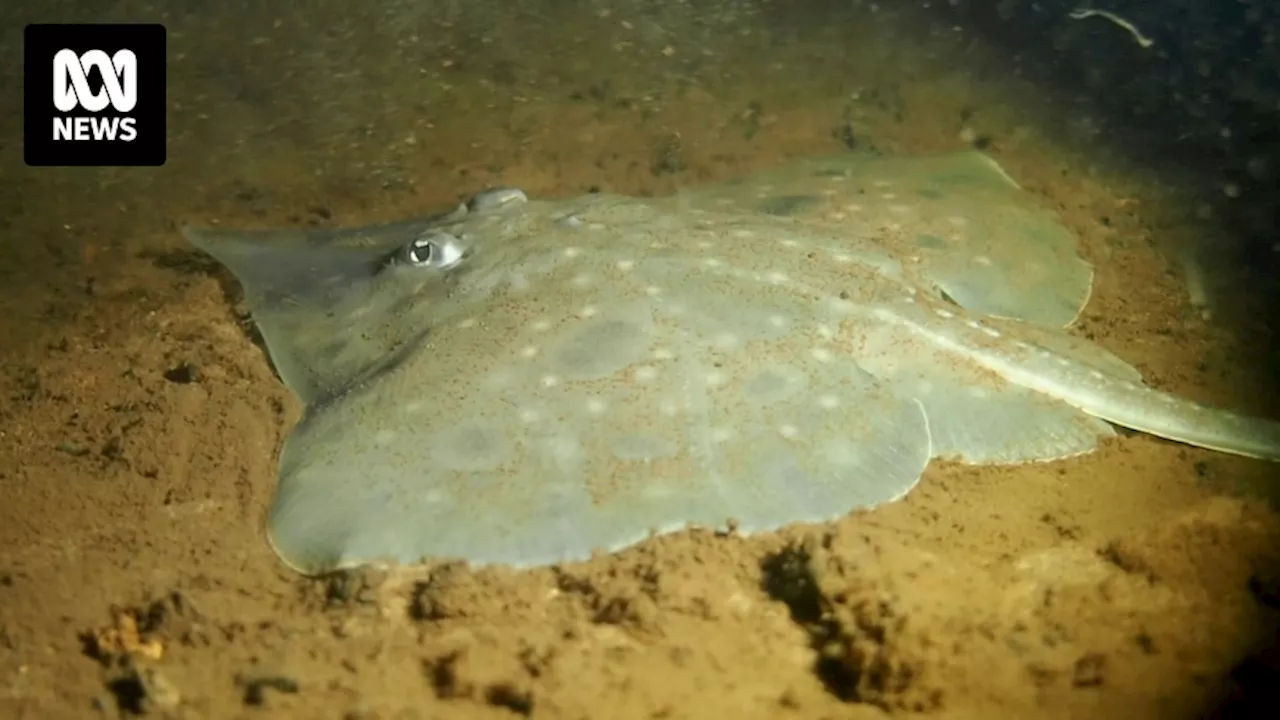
point(1204, 98)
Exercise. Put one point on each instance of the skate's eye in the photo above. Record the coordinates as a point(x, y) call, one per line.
point(433, 248)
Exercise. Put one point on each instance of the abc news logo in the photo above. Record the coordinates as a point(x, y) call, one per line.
point(71, 90)
point(95, 95)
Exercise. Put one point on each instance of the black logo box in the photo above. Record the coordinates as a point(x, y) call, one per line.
point(42, 42)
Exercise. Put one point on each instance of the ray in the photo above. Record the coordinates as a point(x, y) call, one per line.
point(958, 221)
point(527, 382)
